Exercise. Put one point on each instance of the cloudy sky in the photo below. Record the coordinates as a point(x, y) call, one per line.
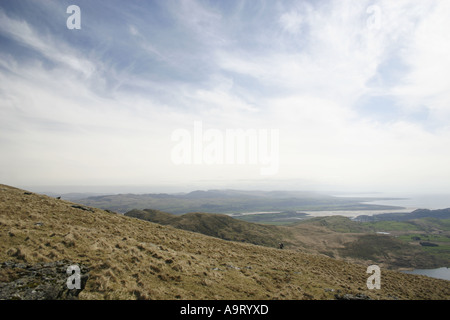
point(358, 92)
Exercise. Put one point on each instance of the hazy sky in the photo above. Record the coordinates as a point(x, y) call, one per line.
point(358, 92)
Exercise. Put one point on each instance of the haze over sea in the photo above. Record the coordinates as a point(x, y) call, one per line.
point(422, 201)
point(408, 201)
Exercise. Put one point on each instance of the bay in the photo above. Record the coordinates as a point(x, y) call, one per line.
point(416, 201)
point(439, 273)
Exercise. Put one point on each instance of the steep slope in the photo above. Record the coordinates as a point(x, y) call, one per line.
point(215, 225)
point(130, 258)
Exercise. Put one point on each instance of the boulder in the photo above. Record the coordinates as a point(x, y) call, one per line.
point(40, 281)
point(348, 296)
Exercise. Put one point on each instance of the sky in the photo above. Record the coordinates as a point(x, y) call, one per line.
point(336, 95)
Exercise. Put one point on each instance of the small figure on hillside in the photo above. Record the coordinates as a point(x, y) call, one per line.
point(281, 245)
point(58, 198)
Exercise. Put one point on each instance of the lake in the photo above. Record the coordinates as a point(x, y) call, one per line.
point(439, 273)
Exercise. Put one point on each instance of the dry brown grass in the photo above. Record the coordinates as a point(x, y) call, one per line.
point(135, 259)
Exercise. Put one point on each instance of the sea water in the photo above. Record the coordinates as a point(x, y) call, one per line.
point(422, 201)
point(439, 273)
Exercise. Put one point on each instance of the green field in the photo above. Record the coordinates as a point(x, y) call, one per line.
point(380, 226)
point(419, 231)
point(425, 237)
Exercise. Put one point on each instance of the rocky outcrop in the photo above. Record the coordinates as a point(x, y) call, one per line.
point(76, 206)
point(348, 296)
point(41, 281)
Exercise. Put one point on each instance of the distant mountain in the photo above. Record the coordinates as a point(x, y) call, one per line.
point(230, 201)
point(404, 216)
point(74, 195)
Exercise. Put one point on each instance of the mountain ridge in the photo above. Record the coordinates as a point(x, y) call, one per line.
point(230, 201)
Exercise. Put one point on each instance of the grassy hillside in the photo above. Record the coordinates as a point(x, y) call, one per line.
point(387, 250)
point(333, 236)
point(278, 218)
point(215, 225)
point(418, 232)
point(406, 216)
point(400, 248)
point(135, 259)
point(337, 224)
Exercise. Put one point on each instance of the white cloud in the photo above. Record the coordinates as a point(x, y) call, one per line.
point(427, 84)
point(291, 22)
point(201, 21)
point(21, 31)
point(133, 30)
point(89, 120)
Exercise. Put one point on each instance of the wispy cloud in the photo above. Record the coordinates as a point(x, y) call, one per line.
point(20, 31)
point(354, 102)
point(427, 55)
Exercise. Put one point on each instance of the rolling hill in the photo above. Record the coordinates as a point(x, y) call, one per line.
point(129, 258)
point(215, 225)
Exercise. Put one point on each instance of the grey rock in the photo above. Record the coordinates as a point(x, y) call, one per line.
point(41, 281)
point(349, 296)
point(83, 208)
